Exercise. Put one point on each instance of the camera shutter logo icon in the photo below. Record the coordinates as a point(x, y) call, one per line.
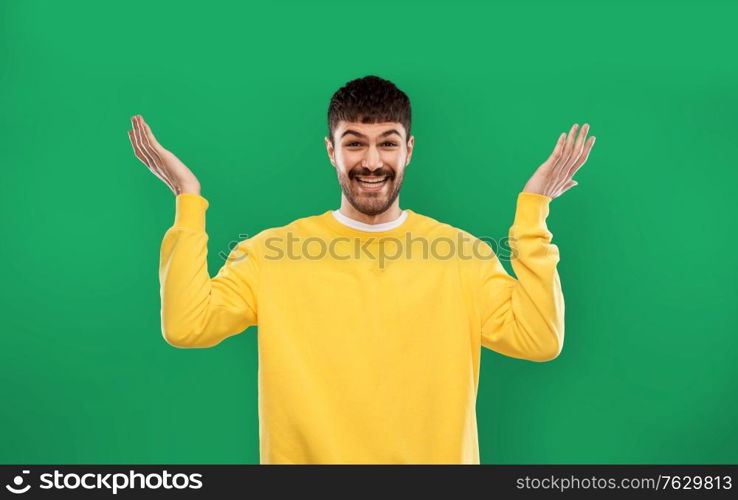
point(18, 487)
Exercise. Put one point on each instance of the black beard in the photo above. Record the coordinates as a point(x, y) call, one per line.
point(370, 206)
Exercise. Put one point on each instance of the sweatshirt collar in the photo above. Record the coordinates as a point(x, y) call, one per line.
point(397, 227)
point(363, 226)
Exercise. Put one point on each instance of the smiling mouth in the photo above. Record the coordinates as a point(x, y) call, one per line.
point(372, 183)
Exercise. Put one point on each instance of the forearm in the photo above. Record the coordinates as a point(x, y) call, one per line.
point(528, 318)
point(196, 311)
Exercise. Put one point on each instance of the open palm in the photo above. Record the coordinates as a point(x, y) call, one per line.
point(162, 162)
point(554, 176)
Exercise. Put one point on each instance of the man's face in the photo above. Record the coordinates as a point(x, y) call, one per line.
point(370, 161)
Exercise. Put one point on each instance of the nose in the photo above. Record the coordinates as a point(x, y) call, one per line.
point(373, 160)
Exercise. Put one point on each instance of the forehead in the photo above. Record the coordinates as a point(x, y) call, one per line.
point(370, 130)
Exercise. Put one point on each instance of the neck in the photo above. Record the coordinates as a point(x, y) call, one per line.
point(389, 215)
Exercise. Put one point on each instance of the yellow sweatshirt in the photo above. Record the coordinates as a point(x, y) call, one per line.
point(368, 342)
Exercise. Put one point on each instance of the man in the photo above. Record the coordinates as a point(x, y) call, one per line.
point(370, 318)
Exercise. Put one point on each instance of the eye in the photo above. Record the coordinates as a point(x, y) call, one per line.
point(386, 143)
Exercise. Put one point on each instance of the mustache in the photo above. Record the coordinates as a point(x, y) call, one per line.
point(368, 173)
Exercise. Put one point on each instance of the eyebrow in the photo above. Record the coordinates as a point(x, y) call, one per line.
point(383, 134)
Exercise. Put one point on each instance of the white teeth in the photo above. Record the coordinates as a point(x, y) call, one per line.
point(366, 181)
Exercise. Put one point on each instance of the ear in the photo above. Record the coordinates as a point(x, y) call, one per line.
point(331, 151)
point(410, 147)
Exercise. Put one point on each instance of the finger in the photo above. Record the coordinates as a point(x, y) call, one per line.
point(149, 146)
point(580, 140)
point(564, 172)
point(150, 134)
point(136, 150)
point(144, 160)
point(583, 157)
point(570, 141)
point(568, 186)
point(568, 146)
point(149, 160)
point(137, 135)
point(559, 190)
point(555, 155)
point(558, 176)
point(576, 151)
point(156, 164)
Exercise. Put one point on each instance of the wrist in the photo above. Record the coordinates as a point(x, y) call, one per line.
point(188, 190)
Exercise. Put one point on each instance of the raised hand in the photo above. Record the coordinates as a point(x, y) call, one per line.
point(161, 161)
point(554, 176)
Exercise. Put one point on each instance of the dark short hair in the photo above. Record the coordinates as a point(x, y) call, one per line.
point(369, 100)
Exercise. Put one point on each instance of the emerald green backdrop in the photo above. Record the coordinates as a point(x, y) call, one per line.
point(240, 91)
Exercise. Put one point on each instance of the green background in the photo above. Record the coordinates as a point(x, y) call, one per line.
point(240, 91)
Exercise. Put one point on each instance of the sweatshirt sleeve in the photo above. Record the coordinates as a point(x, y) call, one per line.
point(197, 310)
point(524, 317)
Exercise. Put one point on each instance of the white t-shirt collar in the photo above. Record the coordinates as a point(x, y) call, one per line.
point(363, 226)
